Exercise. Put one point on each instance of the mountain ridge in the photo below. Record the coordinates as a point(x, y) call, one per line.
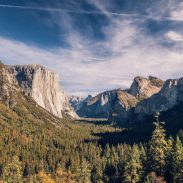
point(103, 105)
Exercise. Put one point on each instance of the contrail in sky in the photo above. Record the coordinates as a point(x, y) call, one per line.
point(90, 12)
point(63, 10)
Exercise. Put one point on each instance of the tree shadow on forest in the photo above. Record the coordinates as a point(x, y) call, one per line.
point(95, 122)
point(142, 132)
point(131, 135)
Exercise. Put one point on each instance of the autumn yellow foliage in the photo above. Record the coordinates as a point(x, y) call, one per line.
point(45, 178)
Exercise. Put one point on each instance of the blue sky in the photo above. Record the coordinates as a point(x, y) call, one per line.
point(94, 45)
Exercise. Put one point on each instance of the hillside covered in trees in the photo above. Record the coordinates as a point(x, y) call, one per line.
point(36, 152)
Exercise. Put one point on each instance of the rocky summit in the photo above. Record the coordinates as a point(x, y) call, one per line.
point(169, 96)
point(43, 86)
point(118, 104)
point(145, 87)
point(145, 97)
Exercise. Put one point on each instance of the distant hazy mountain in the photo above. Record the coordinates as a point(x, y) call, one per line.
point(75, 101)
point(96, 107)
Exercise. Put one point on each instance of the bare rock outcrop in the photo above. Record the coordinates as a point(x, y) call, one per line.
point(44, 87)
point(143, 88)
point(170, 95)
point(162, 101)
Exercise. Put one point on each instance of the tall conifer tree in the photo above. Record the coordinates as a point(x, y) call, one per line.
point(177, 161)
point(13, 171)
point(158, 148)
point(133, 166)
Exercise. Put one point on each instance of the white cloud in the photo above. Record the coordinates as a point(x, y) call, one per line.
point(174, 36)
point(80, 74)
point(129, 52)
point(177, 11)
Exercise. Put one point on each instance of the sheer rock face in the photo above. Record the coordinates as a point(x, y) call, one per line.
point(121, 106)
point(143, 88)
point(43, 86)
point(15, 102)
point(8, 85)
point(168, 97)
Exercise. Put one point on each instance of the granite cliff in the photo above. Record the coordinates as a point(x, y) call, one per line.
point(169, 96)
point(16, 107)
point(43, 86)
point(143, 88)
point(124, 107)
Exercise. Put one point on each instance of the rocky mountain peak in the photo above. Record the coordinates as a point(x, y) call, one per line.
point(145, 87)
point(170, 88)
point(171, 83)
point(102, 104)
point(156, 81)
point(89, 97)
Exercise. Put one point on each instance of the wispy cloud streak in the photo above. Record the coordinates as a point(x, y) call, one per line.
point(64, 10)
point(60, 10)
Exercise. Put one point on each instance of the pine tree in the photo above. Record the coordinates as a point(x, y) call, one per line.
point(13, 171)
point(177, 161)
point(180, 134)
point(153, 178)
point(143, 155)
point(143, 159)
point(158, 148)
point(168, 173)
point(133, 166)
point(96, 174)
point(84, 175)
point(26, 170)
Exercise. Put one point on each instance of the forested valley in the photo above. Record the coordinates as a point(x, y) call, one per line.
point(87, 152)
